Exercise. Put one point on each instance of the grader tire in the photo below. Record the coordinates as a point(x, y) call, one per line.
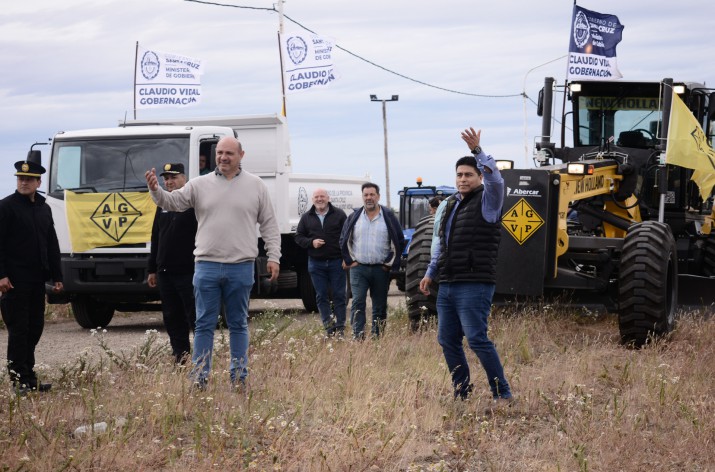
point(648, 283)
point(709, 256)
point(419, 306)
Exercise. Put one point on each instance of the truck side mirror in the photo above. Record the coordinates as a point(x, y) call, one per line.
point(540, 103)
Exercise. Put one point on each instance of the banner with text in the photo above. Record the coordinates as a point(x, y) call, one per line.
point(307, 62)
point(592, 49)
point(165, 80)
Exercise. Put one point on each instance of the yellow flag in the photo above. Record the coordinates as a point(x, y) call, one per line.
point(108, 219)
point(688, 147)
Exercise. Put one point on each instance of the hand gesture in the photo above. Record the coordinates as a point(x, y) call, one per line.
point(151, 179)
point(471, 137)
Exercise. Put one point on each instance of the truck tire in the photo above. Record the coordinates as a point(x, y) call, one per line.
point(91, 313)
point(307, 291)
point(419, 306)
point(648, 283)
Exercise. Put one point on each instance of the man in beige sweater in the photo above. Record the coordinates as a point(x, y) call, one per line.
point(228, 202)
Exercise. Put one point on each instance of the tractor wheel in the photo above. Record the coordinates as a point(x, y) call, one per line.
point(419, 306)
point(648, 283)
point(709, 256)
point(91, 313)
point(307, 291)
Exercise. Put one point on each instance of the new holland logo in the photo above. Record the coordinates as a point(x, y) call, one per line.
point(115, 215)
point(521, 221)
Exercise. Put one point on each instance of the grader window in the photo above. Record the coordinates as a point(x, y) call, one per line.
point(629, 120)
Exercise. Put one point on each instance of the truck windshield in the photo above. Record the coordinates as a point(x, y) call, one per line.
point(632, 121)
point(112, 165)
point(418, 208)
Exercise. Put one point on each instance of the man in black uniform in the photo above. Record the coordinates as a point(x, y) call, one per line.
point(171, 266)
point(29, 256)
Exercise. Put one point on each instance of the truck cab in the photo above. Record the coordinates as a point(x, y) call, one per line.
point(114, 160)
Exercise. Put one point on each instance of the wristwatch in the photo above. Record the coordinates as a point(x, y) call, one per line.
point(477, 150)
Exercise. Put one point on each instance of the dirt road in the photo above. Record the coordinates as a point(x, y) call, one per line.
point(63, 339)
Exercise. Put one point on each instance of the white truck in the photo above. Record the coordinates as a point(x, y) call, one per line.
point(99, 281)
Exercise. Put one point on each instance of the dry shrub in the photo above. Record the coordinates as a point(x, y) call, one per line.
point(315, 403)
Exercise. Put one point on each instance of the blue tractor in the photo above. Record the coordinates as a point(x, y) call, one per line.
point(417, 226)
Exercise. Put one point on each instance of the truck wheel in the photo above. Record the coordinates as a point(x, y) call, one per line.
point(307, 292)
point(419, 306)
point(91, 313)
point(648, 283)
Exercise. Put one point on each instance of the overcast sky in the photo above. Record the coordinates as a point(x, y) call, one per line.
point(69, 65)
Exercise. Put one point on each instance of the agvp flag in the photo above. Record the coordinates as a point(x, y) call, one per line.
point(592, 48)
point(164, 79)
point(688, 147)
point(307, 61)
point(108, 219)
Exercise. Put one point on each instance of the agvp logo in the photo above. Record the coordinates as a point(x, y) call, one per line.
point(115, 215)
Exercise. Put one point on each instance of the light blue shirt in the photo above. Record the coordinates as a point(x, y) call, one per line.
point(492, 201)
point(370, 240)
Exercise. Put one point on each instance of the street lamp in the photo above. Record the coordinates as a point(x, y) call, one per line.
point(373, 98)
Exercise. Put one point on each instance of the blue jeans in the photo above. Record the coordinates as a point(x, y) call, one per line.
point(377, 280)
point(328, 278)
point(215, 282)
point(462, 310)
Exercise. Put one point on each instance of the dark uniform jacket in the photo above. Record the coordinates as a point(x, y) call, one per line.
point(173, 239)
point(310, 228)
point(471, 252)
point(29, 250)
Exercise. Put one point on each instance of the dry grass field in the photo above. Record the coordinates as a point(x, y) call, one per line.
point(584, 403)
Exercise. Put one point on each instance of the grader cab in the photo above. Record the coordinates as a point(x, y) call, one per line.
point(606, 220)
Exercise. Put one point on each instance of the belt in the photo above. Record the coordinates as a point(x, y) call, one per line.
point(370, 265)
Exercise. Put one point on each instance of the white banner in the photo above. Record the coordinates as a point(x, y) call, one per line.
point(165, 80)
point(307, 61)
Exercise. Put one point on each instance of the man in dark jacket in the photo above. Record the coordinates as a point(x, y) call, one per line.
point(319, 232)
point(371, 245)
point(29, 256)
point(465, 262)
point(171, 266)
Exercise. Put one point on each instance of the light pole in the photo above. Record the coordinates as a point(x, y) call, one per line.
point(373, 98)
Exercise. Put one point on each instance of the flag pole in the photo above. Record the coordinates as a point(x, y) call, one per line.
point(136, 56)
point(284, 111)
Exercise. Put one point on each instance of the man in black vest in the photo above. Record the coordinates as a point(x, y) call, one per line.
point(29, 257)
point(465, 262)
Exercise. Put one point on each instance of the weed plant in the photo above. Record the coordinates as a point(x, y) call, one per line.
point(584, 403)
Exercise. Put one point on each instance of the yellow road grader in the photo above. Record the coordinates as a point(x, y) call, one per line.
point(607, 220)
